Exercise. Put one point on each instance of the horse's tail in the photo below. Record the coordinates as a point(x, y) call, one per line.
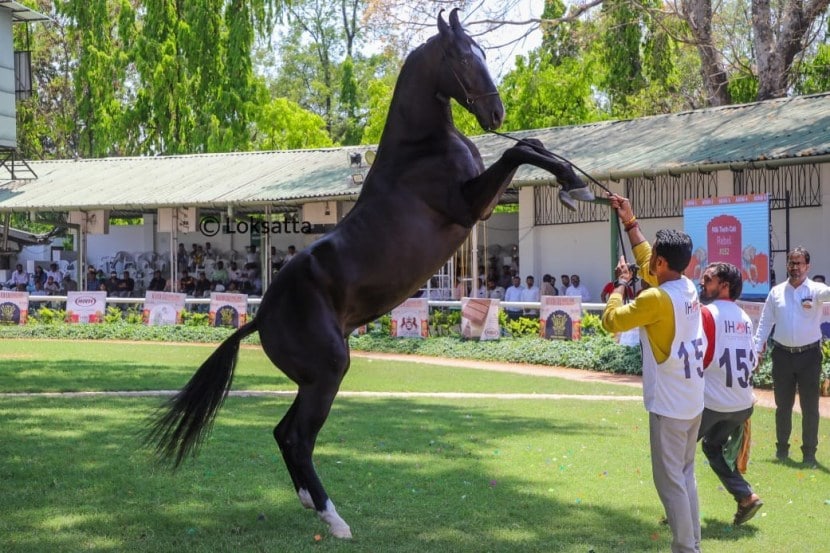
point(186, 419)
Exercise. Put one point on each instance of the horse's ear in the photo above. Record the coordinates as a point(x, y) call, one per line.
point(455, 24)
point(443, 28)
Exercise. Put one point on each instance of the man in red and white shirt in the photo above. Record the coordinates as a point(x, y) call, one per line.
point(729, 361)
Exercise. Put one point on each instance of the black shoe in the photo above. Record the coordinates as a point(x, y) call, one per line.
point(782, 455)
point(810, 461)
point(746, 512)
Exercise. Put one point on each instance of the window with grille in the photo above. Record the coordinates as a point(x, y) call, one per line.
point(548, 210)
point(663, 195)
point(801, 181)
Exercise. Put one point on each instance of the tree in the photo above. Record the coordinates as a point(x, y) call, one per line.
point(126, 77)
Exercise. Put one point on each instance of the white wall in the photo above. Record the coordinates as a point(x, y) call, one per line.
point(585, 248)
point(8, 120)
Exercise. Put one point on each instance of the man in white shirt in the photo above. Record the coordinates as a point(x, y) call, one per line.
point(19, 279)
point(493, 290)
point(793, 308)
point(55, 273)
point(514, 293)
point(729, 361)
point(531, 293)
point(578, 289)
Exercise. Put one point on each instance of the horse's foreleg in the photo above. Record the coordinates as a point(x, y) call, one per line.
point(573, 188)
point(296, 435)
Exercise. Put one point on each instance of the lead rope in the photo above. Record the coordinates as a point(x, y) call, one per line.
point(560, 158)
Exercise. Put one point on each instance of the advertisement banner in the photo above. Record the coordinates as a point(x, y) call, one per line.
point(162, 308)
point(14, 307)
point(86, 307)
point(411, 319)
point(561, 317)
point(731, 229)
point(480, 318)
point(228, 309)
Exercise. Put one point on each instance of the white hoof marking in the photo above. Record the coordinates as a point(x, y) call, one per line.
point(338, 526)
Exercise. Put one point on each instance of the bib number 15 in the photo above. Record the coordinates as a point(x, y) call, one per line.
point(691, 353)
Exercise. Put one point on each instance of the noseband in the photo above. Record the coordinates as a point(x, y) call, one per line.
point(470, 99)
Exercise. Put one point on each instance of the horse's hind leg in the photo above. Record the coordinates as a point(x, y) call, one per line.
point(296, 433)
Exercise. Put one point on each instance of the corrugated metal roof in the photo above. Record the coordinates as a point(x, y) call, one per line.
point(248, 178)
point(776, 131)
point(20, 12)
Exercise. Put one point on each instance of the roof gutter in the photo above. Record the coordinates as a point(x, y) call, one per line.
point(698, 168)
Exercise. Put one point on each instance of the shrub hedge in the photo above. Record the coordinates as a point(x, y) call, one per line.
point(596, 351)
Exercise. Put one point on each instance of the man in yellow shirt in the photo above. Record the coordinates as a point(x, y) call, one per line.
point(673, 345)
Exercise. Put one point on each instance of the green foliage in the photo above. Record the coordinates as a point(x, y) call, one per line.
point(592, 324)
point(194, 318)
point(445, 323)
point(113, 315)
point(815, 72)
point(518, 328)
point(48, 316)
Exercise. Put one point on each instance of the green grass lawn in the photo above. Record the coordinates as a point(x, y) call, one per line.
point(417, 475)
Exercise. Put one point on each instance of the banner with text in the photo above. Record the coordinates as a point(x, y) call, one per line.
point(228, 309)
point(411, 319)
point(162, 308)
point(561, 317)
point(14, 307)
point(86, 307)
point(480, 318)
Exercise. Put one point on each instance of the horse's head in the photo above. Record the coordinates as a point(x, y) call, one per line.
point(465, 76)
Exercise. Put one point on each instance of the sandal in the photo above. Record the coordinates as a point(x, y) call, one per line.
point(746, 512)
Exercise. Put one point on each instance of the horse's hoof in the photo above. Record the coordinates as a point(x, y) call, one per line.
point(566, 200)
point(343, 532)
point(583, 194)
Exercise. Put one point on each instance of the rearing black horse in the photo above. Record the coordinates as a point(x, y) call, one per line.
point(425, 190)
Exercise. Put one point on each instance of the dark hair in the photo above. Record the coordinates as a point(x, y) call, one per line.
point(675, 246)
point(800, 250)
point(728, 273)
point(546, 278)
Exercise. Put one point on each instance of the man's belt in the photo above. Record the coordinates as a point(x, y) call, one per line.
point(797, 349)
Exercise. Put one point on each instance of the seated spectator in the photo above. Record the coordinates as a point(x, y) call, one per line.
point(126, 286)
point(39, 276)
point(209, 252)
point(157, 283)
point(112, 284)
point(19, 279)
point(187, 284)
point(68, 284)
point(232, 287)
point(56, 275)
point(191, 257)
point(220, 274)
point(202, 286)
point(199, 257)
point(819, 278)
point(577, 289)
point(182, 260)
point(235, 275)
point(51, 288)
point(565, 281)
point(91, 279)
